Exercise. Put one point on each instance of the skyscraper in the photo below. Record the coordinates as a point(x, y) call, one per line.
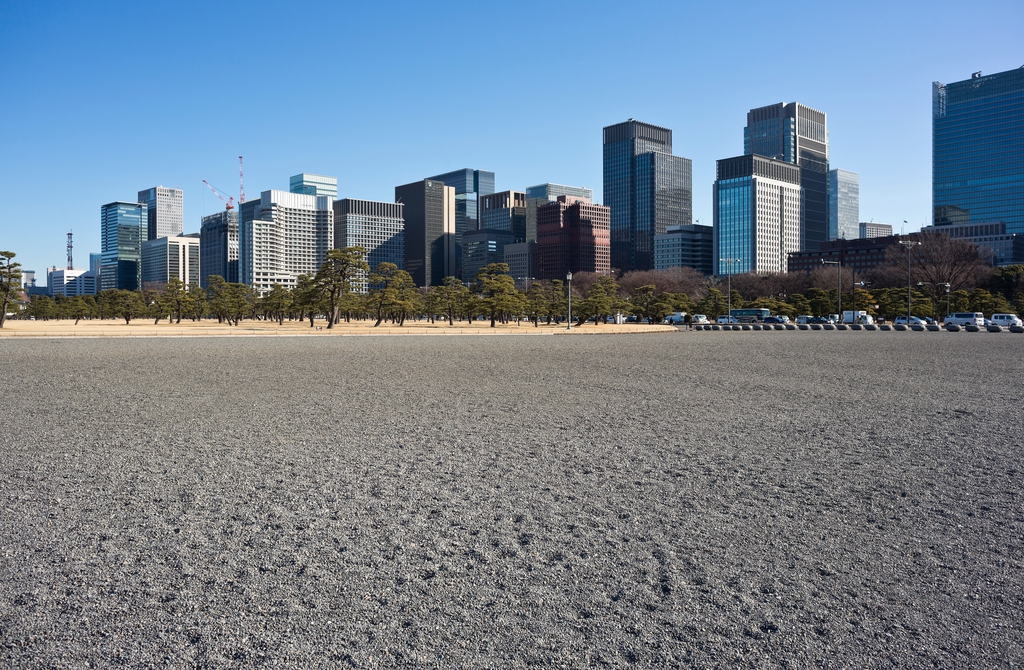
point(573, 235)
point(504, 211)
point(122, 230)
point(429, 243)
point(470, 185)
point(978, 150)
point(796, 134)
point(757, 205)
point(163, 212)
point(166, 258)
point(282, 236)
point(378, 227)
point(686, 246)
point(646, 188)
point(541, 194)
point(218, 246)
point(843, 205)
point(314, 184)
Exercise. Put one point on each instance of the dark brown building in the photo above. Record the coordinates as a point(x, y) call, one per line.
point(573, 235)
point(860, 254)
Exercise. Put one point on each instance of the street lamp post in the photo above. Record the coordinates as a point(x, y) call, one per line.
point(729, 261)
point(909, 244)
point(946, 286)
point(839, 287)
point(568, 279)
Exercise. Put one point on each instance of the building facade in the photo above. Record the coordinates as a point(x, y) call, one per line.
point(544, 193)
point(843, 205)
point(505, 211)
point(859, 255)
point(281, 236)
point(978, 150)
point(646, 188)
point(995, 243)
point(573, 236)
point(164, 211)
point(521, 259)
point(70, 283)
point(429, 242)
point(868, 229)
point(757, 205)
point(314, 184)
point(167, 258)
point(482, 247)
point(470, 185)
point(686, 247)
point(377, 227)
point(797, 134)
point(218, 247)
point(123, 227)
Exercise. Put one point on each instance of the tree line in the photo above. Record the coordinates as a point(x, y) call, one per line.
point(346, 289)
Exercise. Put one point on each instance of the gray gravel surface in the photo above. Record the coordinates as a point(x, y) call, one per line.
point(752, 499)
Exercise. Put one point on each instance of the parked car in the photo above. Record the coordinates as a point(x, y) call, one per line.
point(727, 319)
point(701, 318)
point(1007, 320)
point(774, 319)
point(913, 321)
point(676, 318)
point(819, 319)
point(804, 318)
point(965, 319)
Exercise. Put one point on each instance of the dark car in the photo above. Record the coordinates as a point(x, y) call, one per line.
point(818, 319)
point(773, 319)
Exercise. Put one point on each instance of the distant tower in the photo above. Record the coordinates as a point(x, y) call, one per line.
point(71, 263)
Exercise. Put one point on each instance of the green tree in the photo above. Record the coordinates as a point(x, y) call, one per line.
point(713, 304)
point(498, 293)
point(196, 303)
point(800, 304)
point(128, 305)
point(452, 297)
point(558, 300)
point(335, 277)
point(276, 302)
point(987, 303)
point(393, 294)
point(175, 297)
point(10, 281)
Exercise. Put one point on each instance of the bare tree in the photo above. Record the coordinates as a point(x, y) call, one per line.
point(939, 260)
point(674, 280)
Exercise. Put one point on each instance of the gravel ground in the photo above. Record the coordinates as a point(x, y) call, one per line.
point(781, 499)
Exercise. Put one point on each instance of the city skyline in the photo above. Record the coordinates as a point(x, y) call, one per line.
point(93, 152)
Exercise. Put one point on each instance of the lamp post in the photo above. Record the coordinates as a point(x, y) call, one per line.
point(946, 286)
point(839, 286)
point(909, 244)
point(568, 279)
point(729, 261)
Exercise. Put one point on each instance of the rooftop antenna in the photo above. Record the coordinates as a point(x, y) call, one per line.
point(71, 264)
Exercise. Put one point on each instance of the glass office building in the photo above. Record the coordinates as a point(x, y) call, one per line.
point(314, 184)
point(843, 205)
point(482, 247)
point(686, 246)
point(646, 188)
point(798, 134)
point(123, 228)
point(504, 211)
point(470, 185)
point(757, 205)
point(978, 150)
point(218, 246)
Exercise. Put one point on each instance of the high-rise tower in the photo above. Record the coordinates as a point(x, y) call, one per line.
point(164, 216)
point(646, 188)
point(798, 134)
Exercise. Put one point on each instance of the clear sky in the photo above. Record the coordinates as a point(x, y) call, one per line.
point(99, 100)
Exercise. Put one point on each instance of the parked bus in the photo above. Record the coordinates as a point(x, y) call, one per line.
point(750, 315)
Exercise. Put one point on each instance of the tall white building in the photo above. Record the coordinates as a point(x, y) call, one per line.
point(282, 236)
point(843, 205)
point(171, 257)
point(164, 212)
point(757, 207)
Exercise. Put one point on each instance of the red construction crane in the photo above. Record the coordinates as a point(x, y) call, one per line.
point(229, 204)
point(241, 182)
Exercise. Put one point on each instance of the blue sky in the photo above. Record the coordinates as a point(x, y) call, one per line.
point(103, 99)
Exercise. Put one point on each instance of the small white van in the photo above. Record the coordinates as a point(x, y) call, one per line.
point(1007, 320)
point(965, 319)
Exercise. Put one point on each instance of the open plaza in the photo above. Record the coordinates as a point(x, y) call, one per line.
point(782, 499)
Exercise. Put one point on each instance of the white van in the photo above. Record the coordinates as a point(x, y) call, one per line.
point(965, 319)
point(1007, 320)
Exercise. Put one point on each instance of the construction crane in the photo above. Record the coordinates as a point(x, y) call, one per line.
point(229, 204)
point(241, 182)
